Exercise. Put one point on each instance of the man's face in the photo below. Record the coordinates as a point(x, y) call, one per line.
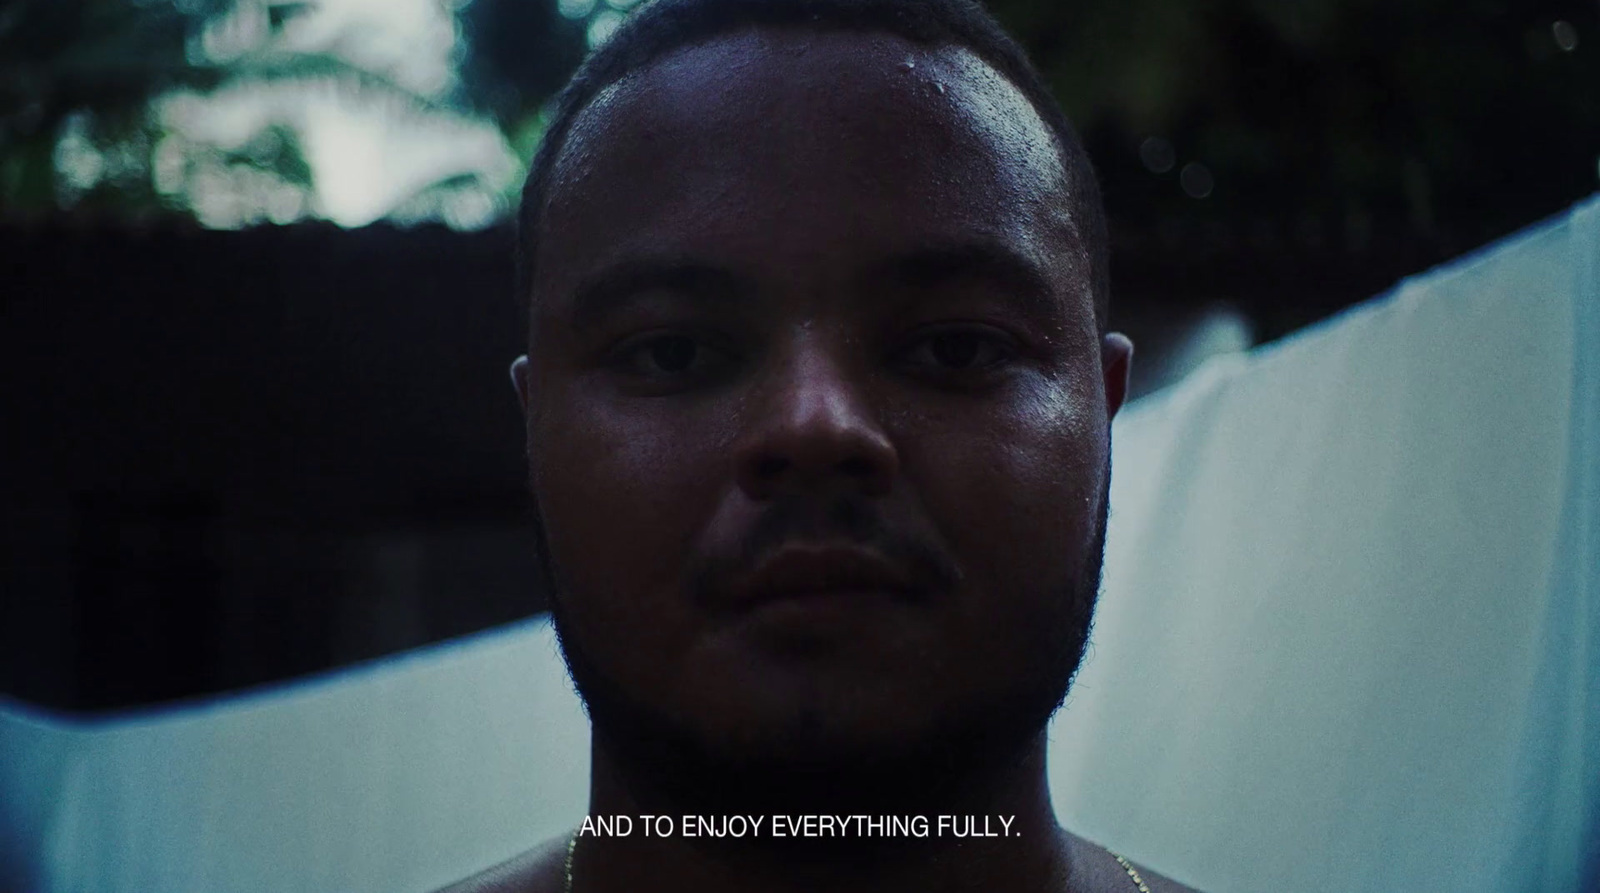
point(804, 291)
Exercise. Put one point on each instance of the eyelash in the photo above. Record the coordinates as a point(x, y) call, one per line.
point(1001, 347)
point(630, 351)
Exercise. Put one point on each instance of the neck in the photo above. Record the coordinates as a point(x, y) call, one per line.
point(1027, 852)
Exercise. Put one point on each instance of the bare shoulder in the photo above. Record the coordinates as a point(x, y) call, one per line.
point(539, 870)
point(1096, 868)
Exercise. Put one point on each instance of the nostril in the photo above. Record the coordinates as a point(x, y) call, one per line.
point(856, 466)
point(771, 466)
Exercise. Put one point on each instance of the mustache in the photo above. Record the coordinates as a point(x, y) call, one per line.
point(845, 519)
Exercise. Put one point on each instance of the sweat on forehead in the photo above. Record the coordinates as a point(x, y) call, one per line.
point(798, 81)
point(661, 28)
point(815, 152)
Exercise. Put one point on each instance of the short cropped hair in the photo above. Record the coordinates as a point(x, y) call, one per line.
point(661, 26)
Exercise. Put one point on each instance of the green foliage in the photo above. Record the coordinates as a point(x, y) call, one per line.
point(1418, 114)
point(81, 85)
point(1448, 121)
point(275, 149)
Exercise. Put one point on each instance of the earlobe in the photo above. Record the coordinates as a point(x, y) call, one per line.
point(519, 379)
point(1116, 364)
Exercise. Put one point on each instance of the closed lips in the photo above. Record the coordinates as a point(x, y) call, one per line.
point(795, 570)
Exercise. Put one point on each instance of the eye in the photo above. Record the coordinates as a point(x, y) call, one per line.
point(969, 350)
point(670, 355)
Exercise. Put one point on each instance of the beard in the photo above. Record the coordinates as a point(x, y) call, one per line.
point(672, 767)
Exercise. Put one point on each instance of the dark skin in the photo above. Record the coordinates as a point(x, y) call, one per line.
point(795, 267)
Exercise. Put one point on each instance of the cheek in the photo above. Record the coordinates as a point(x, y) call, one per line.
point(621, 494)
point(1017, 493)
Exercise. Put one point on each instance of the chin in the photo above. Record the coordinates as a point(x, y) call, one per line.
point(823, 730)
point(780, 740)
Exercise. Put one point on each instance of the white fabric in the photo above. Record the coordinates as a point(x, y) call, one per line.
point(1350, 638)
point(396, 777)
point(1350, 641)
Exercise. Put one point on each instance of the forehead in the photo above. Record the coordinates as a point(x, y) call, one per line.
point(801, 149)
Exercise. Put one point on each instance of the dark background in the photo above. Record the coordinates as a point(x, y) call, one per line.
point(236, 457)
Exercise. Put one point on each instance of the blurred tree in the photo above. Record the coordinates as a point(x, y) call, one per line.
point(60, 60)
point(211, 107)
point(1285, 126)
point(1343, 121)
point(518, 54)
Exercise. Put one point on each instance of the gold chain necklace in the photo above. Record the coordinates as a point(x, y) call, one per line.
point(572, 847)
point(1132, 873)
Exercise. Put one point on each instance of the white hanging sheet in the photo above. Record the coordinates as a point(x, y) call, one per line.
point(395, 777)
point(1350, 637)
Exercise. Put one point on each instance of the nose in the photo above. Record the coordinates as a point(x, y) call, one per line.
point(811, 428)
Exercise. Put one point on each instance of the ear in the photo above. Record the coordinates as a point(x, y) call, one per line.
point(519, 380)
point(1116, 363)
point(521, 373)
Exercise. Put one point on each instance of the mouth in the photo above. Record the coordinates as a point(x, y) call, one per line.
point(823, 574)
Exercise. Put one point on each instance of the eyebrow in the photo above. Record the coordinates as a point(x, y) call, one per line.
point(615, 287)
point(1019, 278)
